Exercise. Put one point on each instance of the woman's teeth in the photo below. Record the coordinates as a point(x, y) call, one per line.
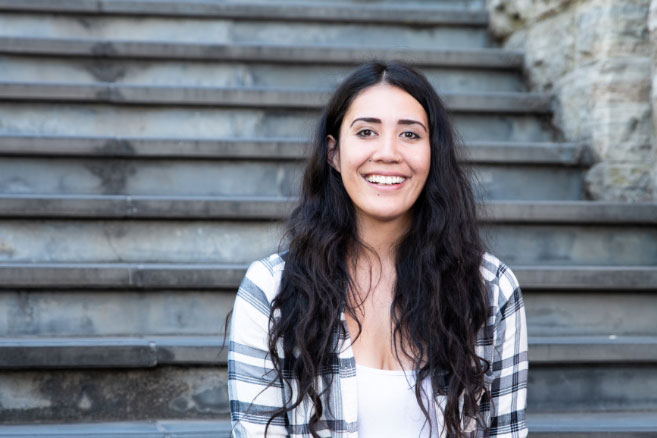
point(380, 179)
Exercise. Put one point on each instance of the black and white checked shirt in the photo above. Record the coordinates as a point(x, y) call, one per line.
point(254, 389)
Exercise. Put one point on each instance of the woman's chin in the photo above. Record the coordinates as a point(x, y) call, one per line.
point(384, 215)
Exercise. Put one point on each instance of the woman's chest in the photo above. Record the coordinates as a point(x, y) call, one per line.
point(371, 329)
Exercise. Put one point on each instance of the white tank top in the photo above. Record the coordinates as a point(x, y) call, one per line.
point(387, 406)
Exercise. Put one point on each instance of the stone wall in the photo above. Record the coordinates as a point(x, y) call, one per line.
point(599, 59)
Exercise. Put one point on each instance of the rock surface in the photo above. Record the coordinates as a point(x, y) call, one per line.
point(599, 59)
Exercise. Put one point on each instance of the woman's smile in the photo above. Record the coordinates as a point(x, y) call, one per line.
point(382, 181)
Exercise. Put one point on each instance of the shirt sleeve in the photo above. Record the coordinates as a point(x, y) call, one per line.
point(254, 389)
point(510, 365)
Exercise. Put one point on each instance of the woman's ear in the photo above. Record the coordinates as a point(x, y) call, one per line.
point(333, 152)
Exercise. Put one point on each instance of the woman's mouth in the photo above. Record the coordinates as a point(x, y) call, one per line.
point(383, 180)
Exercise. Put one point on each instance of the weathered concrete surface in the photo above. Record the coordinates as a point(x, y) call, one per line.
point(138, 241)
point(153, 177)
point(576, 245)
point(232, 74)
point(146, 352)
point(592, 425)
point(219, 30)
point(240, 97)
point(189, 312)
point(595, 56)
point(292, 53)
point(197, 393)
point(592, 388)
point(419, 13)
point(142, 276)
point(542, 425)
point(568, 313)
point(276, 178)
point(114, 313)
point(34, 145)
point(106, 395)
point(147, 276)
point(588, 278)
point(604, 350)
point(215, 428)
point(102, 352)
point(176, 241)
point(241, 123)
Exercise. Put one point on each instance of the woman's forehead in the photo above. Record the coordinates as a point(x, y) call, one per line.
point(387, 103)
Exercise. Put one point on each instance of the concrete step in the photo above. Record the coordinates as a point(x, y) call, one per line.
point(200, 392)
point(117, 312)
point(555, 350)
point(221, 276)
point(170, 167)
point(246, 177)
point(557, 154)
point(59, 229)
point(593, 424)
point(138, 429)
point(528, 183)
point(199, 73)
point(205, 122)
point(123, 276)
point(248, 97)
point(296, 53)
point(592, 388)
point(118, 352)
point(469, 4)
point(45, 352)
point(426, 14)
point(254, 207)
point(562, 425)
point(614, 311)
point(553, 244)
point(472, 4)
point(98, 395)
point(74, 306)
point(128, 206)
point(449, 31)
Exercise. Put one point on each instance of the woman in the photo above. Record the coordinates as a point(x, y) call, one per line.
point(385, 316)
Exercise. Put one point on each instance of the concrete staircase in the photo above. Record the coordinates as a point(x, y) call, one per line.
point(149, 150)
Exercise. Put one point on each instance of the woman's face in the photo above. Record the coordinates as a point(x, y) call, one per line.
point(384, 152)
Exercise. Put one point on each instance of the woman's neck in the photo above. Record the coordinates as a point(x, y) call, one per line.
point(382, 237)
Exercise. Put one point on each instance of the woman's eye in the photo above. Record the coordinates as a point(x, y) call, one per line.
point(365, 133)
point(410, 135)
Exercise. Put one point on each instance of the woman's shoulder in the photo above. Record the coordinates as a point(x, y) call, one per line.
point(263, 276)
point(273, 263)
point(501, 281)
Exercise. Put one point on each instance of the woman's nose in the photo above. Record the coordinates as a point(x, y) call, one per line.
point(387, 150)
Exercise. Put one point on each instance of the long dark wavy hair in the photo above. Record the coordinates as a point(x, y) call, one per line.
point(440, 301)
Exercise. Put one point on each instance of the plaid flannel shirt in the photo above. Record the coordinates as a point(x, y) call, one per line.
point(255, 390)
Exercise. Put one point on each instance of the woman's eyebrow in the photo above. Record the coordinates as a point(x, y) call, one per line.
point(400, 122)
point(366, 119)
point(412, 122)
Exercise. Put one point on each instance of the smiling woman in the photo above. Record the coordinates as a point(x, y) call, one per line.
point(385, 317)
point(383, 160)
